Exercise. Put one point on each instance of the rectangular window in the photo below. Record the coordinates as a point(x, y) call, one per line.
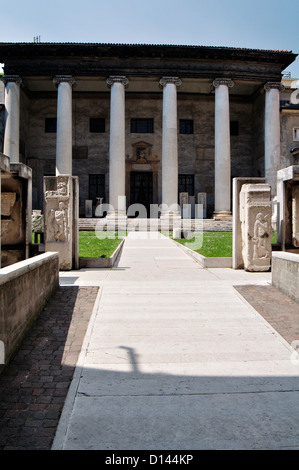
point(186, 126)
point(142, 126)
point(51, 125)
point(296, 133)
point(97, 125)
point(234, 127)
point(186, 184)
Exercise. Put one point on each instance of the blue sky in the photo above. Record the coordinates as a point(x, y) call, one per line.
point(256, 24)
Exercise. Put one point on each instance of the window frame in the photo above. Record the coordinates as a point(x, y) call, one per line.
point(186, 126)
point(50, 125)
point(136, 126)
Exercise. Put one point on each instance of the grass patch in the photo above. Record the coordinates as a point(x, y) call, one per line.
point(217, 244)
point(99, 244)
point(214, 244)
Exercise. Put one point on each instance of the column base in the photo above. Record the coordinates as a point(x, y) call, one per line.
point(222, 215)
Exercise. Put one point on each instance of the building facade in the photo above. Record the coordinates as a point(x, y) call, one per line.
point(145, 123)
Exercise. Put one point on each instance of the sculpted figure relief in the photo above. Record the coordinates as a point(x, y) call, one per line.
point(261, 235)
point(61, 190)
point(58, 222)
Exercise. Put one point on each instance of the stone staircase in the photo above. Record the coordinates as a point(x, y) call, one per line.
point(207, 225)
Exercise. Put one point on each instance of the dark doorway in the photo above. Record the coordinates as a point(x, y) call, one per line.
point(96, 188)
point(141, 189)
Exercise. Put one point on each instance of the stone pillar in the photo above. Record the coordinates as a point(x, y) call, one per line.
point(61, 215)
point(295, 216)
point(272, 133)
point(170, 147)
point(117, 164)
point(12, 117)
point(222, 148)
point(237, 257)
point(64, 124)
point(255, 217)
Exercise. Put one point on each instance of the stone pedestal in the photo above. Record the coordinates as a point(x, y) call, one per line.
point(61, 210)
point(255, 216)
point(237, 259)
point(88, 208)
point(202, 200)
point(287, 206)
point(184, 201)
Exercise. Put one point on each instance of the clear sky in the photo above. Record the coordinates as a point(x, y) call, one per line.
point(256, 24)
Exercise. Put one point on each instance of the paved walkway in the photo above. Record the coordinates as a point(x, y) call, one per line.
point(176, 358)
point(171, 356)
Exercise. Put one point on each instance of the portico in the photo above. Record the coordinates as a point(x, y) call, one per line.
point(144, 123)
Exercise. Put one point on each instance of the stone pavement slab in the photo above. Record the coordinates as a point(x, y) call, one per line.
point(175, 358)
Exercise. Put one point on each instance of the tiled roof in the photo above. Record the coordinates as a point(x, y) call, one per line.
point(143, 45)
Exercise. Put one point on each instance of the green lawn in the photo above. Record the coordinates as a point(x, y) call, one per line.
point(217, 244)
point(99, 244)
point(103, 244)
point(214, 244)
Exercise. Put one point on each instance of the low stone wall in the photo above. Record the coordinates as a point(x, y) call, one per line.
point(206, 262)
point(285, 273)
point(101, 262)
point(25, 287)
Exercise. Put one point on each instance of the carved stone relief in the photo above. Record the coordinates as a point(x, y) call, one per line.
point(255, 218)
point(58, 212)
point(58, 223)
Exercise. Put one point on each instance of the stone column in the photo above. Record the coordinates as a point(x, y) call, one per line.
point(170, 147)
point(222, 148)
point(12, 117)
point(64, 124)
point(272, 133)
point(117, 164)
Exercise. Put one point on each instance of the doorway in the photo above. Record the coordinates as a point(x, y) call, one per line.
point(141, 189)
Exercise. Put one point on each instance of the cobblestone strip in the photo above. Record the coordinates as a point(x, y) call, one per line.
point(34, 385)
point(281, 312)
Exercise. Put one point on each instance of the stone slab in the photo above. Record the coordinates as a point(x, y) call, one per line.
point(174, 362)
point(206, 421)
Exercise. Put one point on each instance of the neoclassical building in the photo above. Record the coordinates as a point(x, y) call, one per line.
point(144, 123)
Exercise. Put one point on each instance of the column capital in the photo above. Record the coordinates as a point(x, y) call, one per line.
point(11, 78)
point(223, 81)
point(117, 79)
point(273, 86)
point(165, 80)
point(64, 79)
